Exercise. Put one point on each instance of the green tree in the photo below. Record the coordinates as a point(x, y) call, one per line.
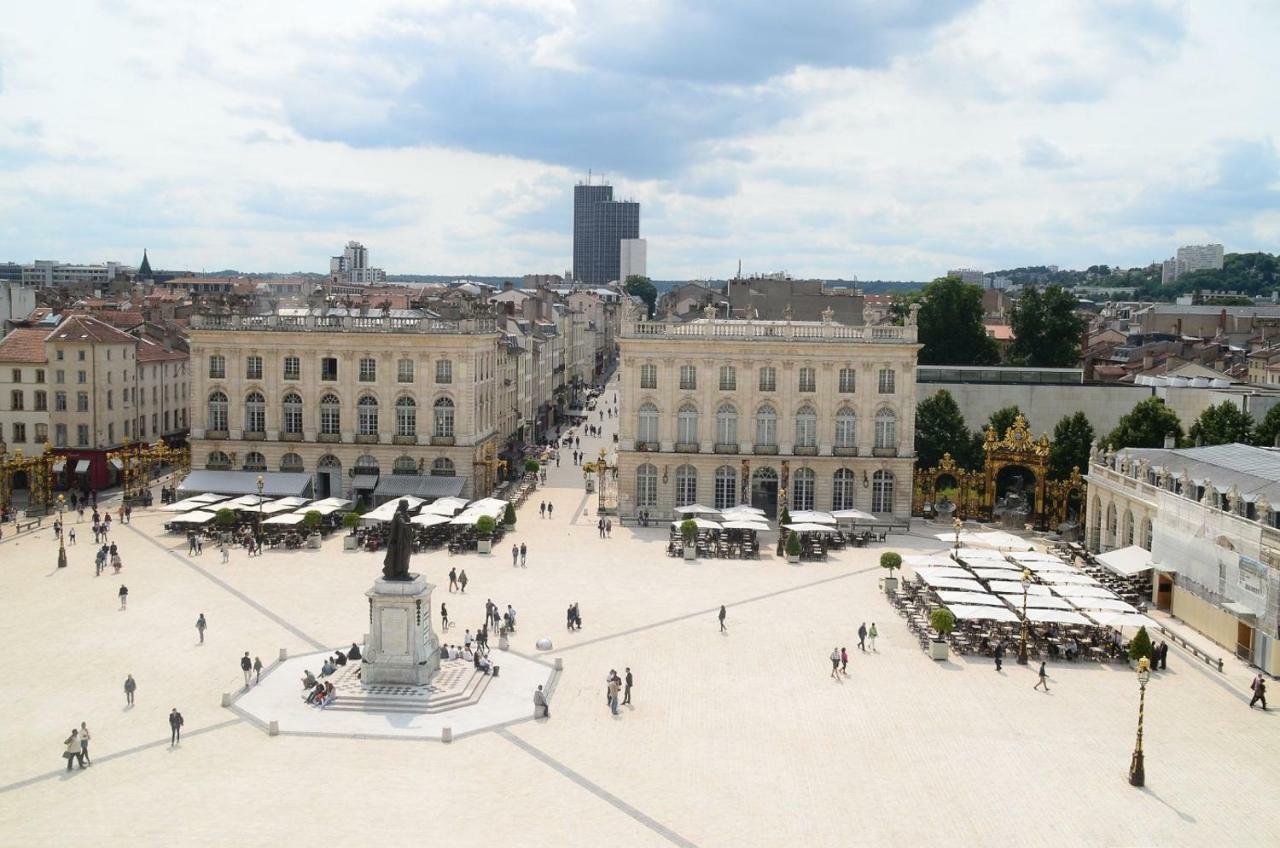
point(485, 525)
point(1002, 419)
point(1140, 645)
point(951, 329)
point(1222, 425)
point(891, 560)
point(225, 518)
point(940, 429)
point(312, 519)
point(1145, 426)
point(1269, 429)
point(1072, 441)
point(643, 288)
point(1046, 329)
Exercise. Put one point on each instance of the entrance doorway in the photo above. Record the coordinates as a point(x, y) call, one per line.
point(764, 490)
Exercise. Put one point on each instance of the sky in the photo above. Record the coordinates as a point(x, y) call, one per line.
point(853, 139)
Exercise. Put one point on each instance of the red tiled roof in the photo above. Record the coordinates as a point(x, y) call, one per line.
point(25, 344)
point(126, 320)
point(149, 351)
point(87, 328)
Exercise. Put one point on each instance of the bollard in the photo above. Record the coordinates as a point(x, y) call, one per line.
point(446, 734)
point(559, 663)
point(284, 654)
point(273, 729)
point(226, 699)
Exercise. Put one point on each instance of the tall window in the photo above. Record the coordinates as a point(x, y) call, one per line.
point(687, 425)
point(329, 369)
point(291, 462)
point(404, 371)
point(806, 427)
point(367, 416)
point(217, 367)
point(443, 414)
point(330, 415)
point(368, 369)
point(842, 489)
point(647, 424)
point(255, 461)
point(647, 486)
point(768, 379)
point(766, 426)
point(688, 377)
point(255, 413)
point(218, 411)
point(16, 402)
point(444, 371)
point(1146, 533)
point(648, 376)
point(887, 378)
point(404, 465)
point(848, 381)
point(292, 368)
point(253, 368)
point(292, 413)
point(686, 485)
point(82, 401)
point(727, 424)
point(1128, 529)
point(886, 429)
point(442, 467)
point(882, 491)
point(60, 401)
point(726, 494)
point(406, 417)
point(218, 461)
point(82, 435)
point(808, 380)
point(41, 401)
point(728, 378)
point(846, 428)
point(803, 485)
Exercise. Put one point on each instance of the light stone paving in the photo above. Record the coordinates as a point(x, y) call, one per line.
point(740, 739)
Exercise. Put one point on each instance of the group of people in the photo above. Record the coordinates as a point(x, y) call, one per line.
point(615, 684)
point(546, 509)
point(605, 526)
point(195, 543)
point(101, 527)
point(519, 556)
point(107, 554)
point(458, 580)
point(320, 692)
point(573, 617)
point(76, 747)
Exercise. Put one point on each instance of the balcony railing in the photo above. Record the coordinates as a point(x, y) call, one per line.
point(328, 437)
point(726, 447)
point(844, 451)
point(893, 451)
point(254, 435)
point(341, 324)
point(778, 331)
point(290, 437)
point(366, 438)
point(216, 434)
point(805, 450)
point(765, 450)
point(443, 440)
point(647, 446)
point(687, 447)
point(404, 440)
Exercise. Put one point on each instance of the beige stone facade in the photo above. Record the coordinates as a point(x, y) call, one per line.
point(348, 398)
point(720, 412)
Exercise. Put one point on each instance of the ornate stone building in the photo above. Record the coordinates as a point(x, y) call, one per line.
point(813, 414)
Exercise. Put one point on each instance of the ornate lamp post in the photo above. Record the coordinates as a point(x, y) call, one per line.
point(959, 525)
point(1022, 646)
point(1137, 768)
point(62, 548)
point(257, 536)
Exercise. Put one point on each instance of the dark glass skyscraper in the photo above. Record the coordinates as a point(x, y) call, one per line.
point(599, 224)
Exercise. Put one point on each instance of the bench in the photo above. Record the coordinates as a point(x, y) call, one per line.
point(28, 524)
point(1212, 662)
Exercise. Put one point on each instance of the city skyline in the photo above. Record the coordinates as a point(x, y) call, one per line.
point(881, 145)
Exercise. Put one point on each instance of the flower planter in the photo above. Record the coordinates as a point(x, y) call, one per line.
point(690, 552)
point(313, 541)
point(484, 546)
point(938, 649)
point(794, 559)
point(350, 543)
point(890, 585)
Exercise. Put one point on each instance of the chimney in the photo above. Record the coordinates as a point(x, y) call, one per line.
point(1170, 442)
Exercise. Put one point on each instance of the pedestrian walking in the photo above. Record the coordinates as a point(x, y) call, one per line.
point(257, 670)
point(844, 662)
point(71, 536)
point(1162, 653)
point(723, 629)
point(600, 526)
point(130, 686)
point(550, 508)
point(84, 745)
point(627, 683)
point(872, 634)
point(226, 551)
point(453, 579)
point(524, 555)
point(515, 555)
point(175, 727)
point(124, 595)
point(608, 528)
point(201, 624)
point(199, 544)
point(246, 666)
point(540, 703)
point(191, 539)
point(999, 652)
point(862, 637)
point(835, 663)
point(467, 640)
point(542, 509)
point(444, 617)
point(1044, 678)
point(1259, 691)
point(71, 749)
point(462, 581)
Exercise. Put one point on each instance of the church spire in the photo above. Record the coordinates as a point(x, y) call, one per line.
point(144, 270)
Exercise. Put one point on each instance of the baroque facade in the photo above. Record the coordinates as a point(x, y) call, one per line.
point(806, 414)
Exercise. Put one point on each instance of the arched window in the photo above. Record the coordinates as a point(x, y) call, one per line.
point(404, 465)
point(254, 461)
point(766, 426)
point(647, 486)
point(1146, 534)
point(727, 424)
point(1128, 529)
point(291, 462)
point(367, 415)
point(329, 462)
point(443, 417)
point(366, 464)
point(687, 425)
point(255, 413)
point(882, 491)
point(803, 486)
point(218, 461)
point(442, 467)
point(886, 429)
point(842, 489)
point(1110, 540)
point(218, 412)
point(846, 429)
point(726, 487)
point(686, 485)
point(292, 413)
point(806, 428)
point(647, 424)
point(406, 417)
point(330, 415)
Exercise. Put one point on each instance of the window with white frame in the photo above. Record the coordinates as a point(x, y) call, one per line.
point(727, 424)
point(728, 378)
point(686, 485)
point(687, 424)
point(217, 367)
point(443, 417)
point(846, 428)
point(292, 368)
point(444, 371)
point(218, 412)
point(648, 376)
point(726, 489)
point(330, 415)
point(255, 413)
point(766, 426)
point(886, 429)
point(882, 491)
point(647, 485)
point(253, 368)
point(292, 407)
point(367, 416)
point(842, 489)
point(803, 487)
point(406, 417)
point(808, 380)
point(768, 379)
point(647, 424)
point(806, 427)
point(291, 462)
point(368, 369)
point(848, 381)
point(688, 377)
point(404, 371)
point(887, 381)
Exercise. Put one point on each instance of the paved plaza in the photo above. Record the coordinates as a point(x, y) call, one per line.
point(736, 739)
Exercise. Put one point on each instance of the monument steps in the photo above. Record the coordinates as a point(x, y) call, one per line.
point(353, 699)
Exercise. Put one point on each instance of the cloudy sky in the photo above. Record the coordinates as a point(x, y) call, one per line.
point(882, 139)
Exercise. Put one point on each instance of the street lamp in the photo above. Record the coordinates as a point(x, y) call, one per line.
point(1137, 768)
point(62, 547)
point(257, 536)
point(959, 525)
point(1022, 646)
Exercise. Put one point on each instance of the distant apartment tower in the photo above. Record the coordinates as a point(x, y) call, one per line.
point(968, 275)
point(353, 266)
point(600, 224)
point(1192, 257)
point(632, 258)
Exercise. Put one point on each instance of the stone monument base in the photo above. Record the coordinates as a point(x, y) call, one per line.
point(402, 647)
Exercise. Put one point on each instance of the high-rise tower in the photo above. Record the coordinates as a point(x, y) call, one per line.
point(600, 223)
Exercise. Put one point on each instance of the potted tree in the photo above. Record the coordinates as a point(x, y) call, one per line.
point(689, 532)
point(484, 534)
point(225, 518)
point(892, 561)
point(793, 547)
point(509, 516)
point(531, 467)
point(943, 622)
point(312, 521)
point(351, 521)
point(1140, 646)
point(784, 517)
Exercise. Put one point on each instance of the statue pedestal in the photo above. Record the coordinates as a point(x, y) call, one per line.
point(402, 647)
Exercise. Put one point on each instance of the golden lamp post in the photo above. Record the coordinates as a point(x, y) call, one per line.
point(1137, 767)
point(1022, 646)
point(62, 547)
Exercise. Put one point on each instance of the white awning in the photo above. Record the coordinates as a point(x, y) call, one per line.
point(1037, 602)
point(952, 596)
point(291, 518)
point(852, 515)
point(427, 519)
point(82, 466)
point(954, 583)
point(1067, 578)
point(746, 525)
point(1054, 616)
point(1083, 591)
point(1121, 620)
point(1127, 561)
point(995, 574)
point(695, 509)
point(981, 613)
point(1108, 604)
point(702, 523)
point(926, 560)
point(59, 466)
point(809, 516)
point(197, 517)
point(1013, 587)
point(117, 463)
point(1238, 609)
point(334, 502)
point(322, 508)
point(810, 528)
point(445, 506)
point(943, 571)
